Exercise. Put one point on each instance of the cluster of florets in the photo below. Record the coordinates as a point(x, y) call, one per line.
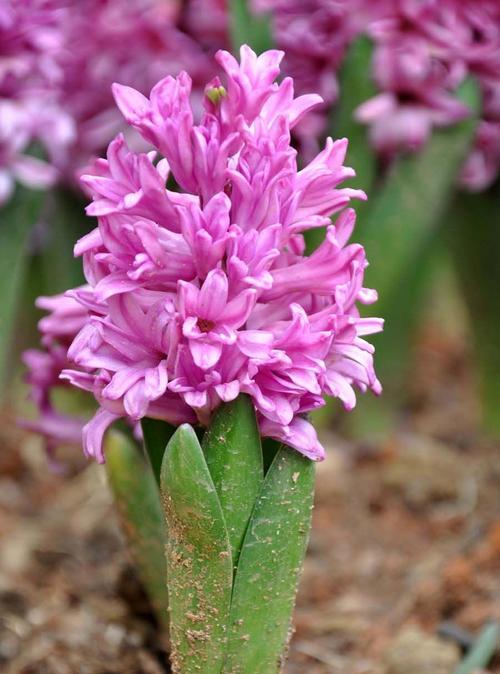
point(423, 51)
point(197, 295)
point(57, 63)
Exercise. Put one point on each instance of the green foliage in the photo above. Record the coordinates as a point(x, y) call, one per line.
point(156, 437)
point(269, 567)
point(234, 457)
point(17, 219)
point(473, 236)
point(413, 199)
point(66, 223)
point(399, 233)
point(270, 448)
point(199, 563)
point(234, 539)
point(481, 652)
point(249, 28)
point(137, 499)
point(356, 86)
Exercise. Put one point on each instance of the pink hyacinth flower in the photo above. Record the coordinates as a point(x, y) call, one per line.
point(196, 296)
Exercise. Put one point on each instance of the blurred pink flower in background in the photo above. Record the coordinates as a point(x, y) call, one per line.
point(134, 43)
point(44, 367)
point(423, 50)
point(197, 296)
point(58, 60)
point(30, 41)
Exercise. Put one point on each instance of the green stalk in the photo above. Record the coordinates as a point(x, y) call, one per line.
point(413, 200)
point(356, 86)
point(236, 542)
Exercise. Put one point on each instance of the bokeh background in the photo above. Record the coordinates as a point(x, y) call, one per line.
point(402, 575)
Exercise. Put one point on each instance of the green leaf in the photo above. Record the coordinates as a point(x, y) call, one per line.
point(67, 222)
point(375, 418)
point(473, 236)
point(412, 201)
point(156, 434)
point(16, 221)
point(269, 567)
point(199, 560)
point(249, 28)
point(234, 457)
point(137, 498)
point(356, 86)
point(481, 652)
point(399, 233)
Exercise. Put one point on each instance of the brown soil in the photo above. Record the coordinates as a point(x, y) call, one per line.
point(405, 547)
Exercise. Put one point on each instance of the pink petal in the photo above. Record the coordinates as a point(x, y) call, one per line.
point(93, 433)
point(132, 104)
point(237, 311)
point(213, 295)
point(205, 354)
point(300, 435)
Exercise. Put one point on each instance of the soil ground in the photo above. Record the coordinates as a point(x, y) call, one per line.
point(402, 569)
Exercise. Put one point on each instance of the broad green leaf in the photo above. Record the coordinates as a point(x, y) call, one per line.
point(482, 651)
point(249, 28)
point(269, 567)
point(199, 563)
point(234, 457)
point(17, 219)
point(156, 434)
point(137, 498)
point(412, 201)
point(473, 236)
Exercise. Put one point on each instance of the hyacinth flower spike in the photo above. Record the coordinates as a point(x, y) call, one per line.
point(206, 329)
